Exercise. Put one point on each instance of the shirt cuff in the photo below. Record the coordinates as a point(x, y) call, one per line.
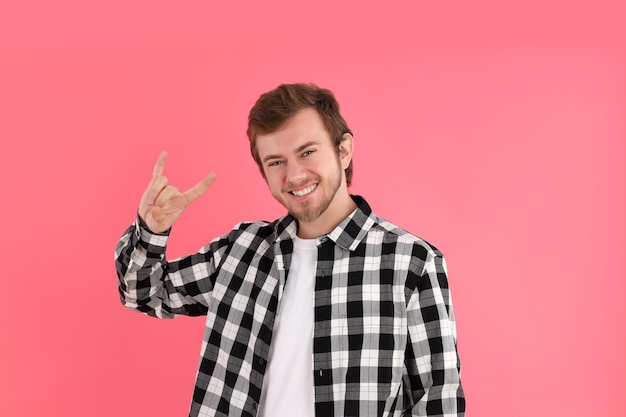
point(153, 239)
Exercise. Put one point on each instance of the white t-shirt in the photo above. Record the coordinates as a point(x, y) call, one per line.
point(288, 383)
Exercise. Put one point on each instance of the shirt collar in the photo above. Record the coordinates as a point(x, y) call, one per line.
point(347, 235)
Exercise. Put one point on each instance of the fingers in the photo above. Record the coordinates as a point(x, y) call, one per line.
point(157, 185)
point(165, 210)
point(167, 194)
point(160, 165)
point(200, 188)
point(162, 203)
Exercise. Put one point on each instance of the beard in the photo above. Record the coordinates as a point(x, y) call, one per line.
point(308, 211)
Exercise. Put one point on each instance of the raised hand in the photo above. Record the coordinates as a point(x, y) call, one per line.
point(161, 203)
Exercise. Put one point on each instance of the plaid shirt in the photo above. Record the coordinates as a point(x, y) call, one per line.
point(384, 339)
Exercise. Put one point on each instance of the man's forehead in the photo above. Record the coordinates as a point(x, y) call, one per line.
point(304, 126)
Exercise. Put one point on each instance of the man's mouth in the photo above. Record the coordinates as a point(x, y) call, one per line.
point(304, 191)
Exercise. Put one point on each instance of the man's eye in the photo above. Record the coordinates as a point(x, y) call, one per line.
point(274, 163)
point(307, 153)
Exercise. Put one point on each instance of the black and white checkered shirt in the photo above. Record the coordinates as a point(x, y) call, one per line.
point(384, 339)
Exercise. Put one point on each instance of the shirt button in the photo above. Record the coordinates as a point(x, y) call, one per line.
point(261, 361)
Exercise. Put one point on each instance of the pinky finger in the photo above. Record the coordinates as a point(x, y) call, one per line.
point(200, 188)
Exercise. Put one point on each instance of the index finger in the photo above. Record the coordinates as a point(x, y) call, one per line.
point(160, 164)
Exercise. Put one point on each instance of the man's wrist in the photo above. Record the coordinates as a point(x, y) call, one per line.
point(144, 227)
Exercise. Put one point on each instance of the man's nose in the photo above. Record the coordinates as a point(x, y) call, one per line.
point(295, 171)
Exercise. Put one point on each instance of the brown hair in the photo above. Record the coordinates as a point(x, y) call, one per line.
point(275, 107)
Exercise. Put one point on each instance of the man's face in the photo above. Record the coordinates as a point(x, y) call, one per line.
point(301, 165)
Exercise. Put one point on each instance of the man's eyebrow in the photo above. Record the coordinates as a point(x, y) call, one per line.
point(298, 150)
point(268, 157)
point(306, 145)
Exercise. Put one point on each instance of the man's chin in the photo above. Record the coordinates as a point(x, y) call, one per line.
point(305, 217)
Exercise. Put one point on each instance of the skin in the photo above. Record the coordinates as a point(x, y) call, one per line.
point(300, 157)
point(161, 204)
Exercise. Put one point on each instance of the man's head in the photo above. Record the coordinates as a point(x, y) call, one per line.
point(275, 107)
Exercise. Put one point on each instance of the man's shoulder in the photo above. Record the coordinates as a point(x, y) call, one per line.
point(255, 227)
point(405, 240)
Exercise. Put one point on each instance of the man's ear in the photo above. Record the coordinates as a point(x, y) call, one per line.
point(346, 147)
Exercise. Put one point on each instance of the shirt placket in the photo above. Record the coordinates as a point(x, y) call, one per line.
point(322, 344)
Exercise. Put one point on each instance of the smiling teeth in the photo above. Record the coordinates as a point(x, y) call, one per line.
point(304, 192)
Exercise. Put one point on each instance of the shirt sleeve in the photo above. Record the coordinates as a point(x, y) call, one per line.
point(432, 361)
point(151, 285)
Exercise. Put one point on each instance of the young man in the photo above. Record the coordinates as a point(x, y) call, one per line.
point(327, 311)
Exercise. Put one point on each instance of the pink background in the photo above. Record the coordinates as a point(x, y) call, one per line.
point(496, 132)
